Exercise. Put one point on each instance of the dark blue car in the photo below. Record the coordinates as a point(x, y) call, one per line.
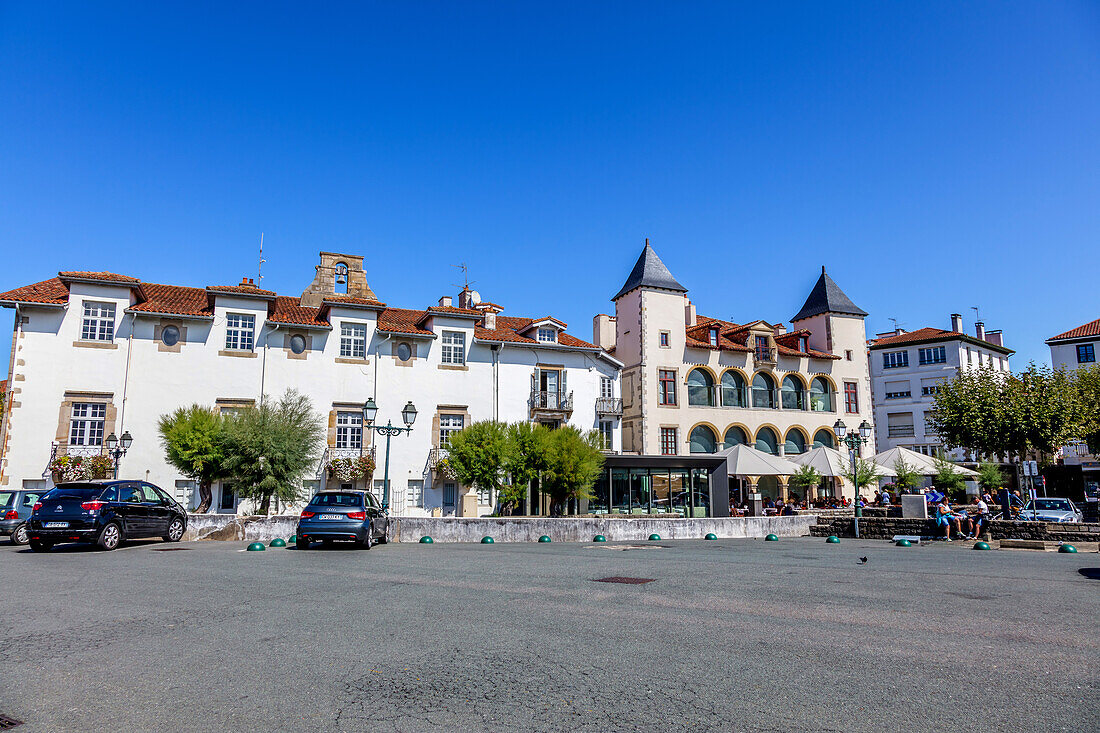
point(349, 516)
point(15, 510)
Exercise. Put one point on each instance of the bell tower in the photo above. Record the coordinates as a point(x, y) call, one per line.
point(338, 274)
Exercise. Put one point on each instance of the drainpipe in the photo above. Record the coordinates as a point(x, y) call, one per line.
point(126, 374)
point(377, 357)
point(263, 365)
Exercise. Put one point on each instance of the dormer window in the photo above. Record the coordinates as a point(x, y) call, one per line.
point(714, 337)
point(547, 335)
point(341, 280)
point(802, 345)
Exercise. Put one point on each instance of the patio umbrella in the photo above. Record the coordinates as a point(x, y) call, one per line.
point(825, 460)
point(744, 460)
point(922, 464)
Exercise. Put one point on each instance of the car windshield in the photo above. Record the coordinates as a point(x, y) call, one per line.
point(1052, 505)
point(337, 500)
point(73, 491)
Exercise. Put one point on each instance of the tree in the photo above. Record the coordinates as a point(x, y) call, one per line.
point(529, 447)
point(477, 455)
point(990, 476)
point(906, 477)
point(806, 478)
point(268, 449)
point(1087, 383)
point(573, 465)
point(948, 479)
point(192, 439)
point(865, 473)
point(970, 411)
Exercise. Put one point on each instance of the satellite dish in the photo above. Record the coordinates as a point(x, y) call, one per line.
point(475, 297)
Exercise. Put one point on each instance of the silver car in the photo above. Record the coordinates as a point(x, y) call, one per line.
point(1051, 509)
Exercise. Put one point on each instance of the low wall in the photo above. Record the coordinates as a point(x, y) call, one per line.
point(881, 528)
point(569, 529)
point(233, 527)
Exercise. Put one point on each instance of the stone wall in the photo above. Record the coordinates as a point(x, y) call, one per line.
point(233, 527)
point(882, 528)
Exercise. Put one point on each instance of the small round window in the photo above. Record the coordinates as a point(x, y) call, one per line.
point(297, 343)
point(404, 351)
point(170, 335)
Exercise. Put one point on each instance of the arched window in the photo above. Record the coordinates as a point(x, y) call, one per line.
point(341, 278)
point(795, 443)
point(763, 390)
point(821, 395)
point(824, 437)
point(703, 440)
point(794, 396)
point(767, 441)
point(735, 436)
point(733, 390)
point(700, 388)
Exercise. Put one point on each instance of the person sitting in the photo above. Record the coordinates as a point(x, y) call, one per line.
point(981, 515)
point(946, 518)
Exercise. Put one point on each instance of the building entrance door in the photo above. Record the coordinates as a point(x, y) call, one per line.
point(449, 495)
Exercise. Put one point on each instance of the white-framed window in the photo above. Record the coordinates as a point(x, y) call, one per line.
point(379, 489)
point(227, 500)
point(483, 496)
point(933, 355)
point(607, 388)
point(448, 426)
point(607, 433)
point(353, 340)
point(349, 430)
point(414, 495)
point(185, 492)
point(547, 335)
point(454, 347)
point(99, 322)
point(88, 419)
point(895, 359)
point(714, 337)
point(240, 331)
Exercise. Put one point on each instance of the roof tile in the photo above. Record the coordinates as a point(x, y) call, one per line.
point(105, 276)
point(1092, 328)
point(47, 292)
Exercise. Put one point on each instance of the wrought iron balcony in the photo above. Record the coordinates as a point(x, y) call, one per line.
point(764, 355)
point(80, 451)
point(557, 402)
point(332, 454)
point(437, 462)
point(609, 406)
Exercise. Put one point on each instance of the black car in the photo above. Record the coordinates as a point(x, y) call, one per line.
point(105, 513)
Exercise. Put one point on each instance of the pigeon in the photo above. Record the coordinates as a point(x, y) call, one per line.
point(863, 561)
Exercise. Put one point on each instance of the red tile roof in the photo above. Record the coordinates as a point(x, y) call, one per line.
point(290, 311)
point(105, 276)
point(47, 292)
point(402, 320)
point(734, 337)
point(1092, 328)
point(510, 329)
point(351, 300)
point(241, 290)
point(929, 335)
point(174, 300)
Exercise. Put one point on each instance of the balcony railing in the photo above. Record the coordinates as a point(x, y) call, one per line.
point(763, 355)
point(80, 451)
point(551, 401)
point(609, 406)
point(437, 462)
point(332, 454)
point(900, 431)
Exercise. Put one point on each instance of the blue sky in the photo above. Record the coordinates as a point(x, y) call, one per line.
point(934, 156)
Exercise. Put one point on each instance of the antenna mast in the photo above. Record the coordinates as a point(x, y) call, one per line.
point(260, 270)
point(466, 281)
point(977, 314)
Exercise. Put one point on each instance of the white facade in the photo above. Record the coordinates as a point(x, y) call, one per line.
point(907, 369)
point(135, 376)
point(1076, 349)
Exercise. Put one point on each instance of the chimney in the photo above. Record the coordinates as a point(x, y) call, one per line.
point(445, 301)
point(490, 320)
point(246, 282)
point(994, 337)
point(957, 322)
point(603, 331)
point(689, 314)
point(979, 330)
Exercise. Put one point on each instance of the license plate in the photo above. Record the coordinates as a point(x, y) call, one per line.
point(56, 525)
point(333, 516)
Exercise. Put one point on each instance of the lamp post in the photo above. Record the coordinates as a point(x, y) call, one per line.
point(854, 439)
point(370, 411)
point(117, 449)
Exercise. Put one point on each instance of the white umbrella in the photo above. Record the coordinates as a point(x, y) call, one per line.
point(825, 460)
point(744, 460)
point(922, 464)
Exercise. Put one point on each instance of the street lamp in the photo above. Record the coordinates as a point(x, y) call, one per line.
point(854, 439)
point(117, 451)
point(408, 414)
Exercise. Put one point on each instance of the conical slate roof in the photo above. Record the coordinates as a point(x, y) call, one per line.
point(650, 272)
point(827, 297)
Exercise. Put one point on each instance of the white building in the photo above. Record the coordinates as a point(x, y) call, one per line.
point(907, 369)
point(1072, 350)
point(693, 384)
point(97, 353)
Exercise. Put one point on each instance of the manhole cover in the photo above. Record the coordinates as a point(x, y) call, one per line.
point(170, 549)
point(6, 722)
point(625, 580)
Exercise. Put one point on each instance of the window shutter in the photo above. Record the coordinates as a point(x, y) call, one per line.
point(535, 381)
point(564, 391)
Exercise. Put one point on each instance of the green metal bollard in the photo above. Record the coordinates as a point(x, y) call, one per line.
point(277, 542)
point(544, 538)
point(599, 538)
point(903, 543)
point(256, 547)
point(832, 540)
point(293, 539)
point(982, 546)
point(711, 536)
point(771, 538)
point(426, 540)
point(486, 540)
point(1066, 548)
point(655, 537)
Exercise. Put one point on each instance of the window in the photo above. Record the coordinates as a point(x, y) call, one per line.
point(767, 441)
point(848, 355)
point(353, 341)
point(170, 335)
point(733, 390)
point(795, 442)
point(735, 436)
point(803, 344)
point(349, 430)
point(239, 332)
point(414, 495)
point(930, 426)
point(714, 337)
point(185, 491)
point(1085, 353)
point(607, 433)
point(793, 395)
point(763, 351)
point(763, 391)
point(404, 351)
point(607, 388)
point(297, 343)
point(227, 501)
point(454, 347)
point(668, 441)
point(898, 395)
point(821, 395)
point(851, 397)
point(448, 426)
point(87, 423)
point(700, 388)
point(666, 393)
point(899, 425)
point(703, 440)
point(664, 339)
point(933, 355)
point(895, 359)
point(547, 335)
point(99, 322)
point(897, 390)
point(378, 489)
point(930, 387)
point(824, 437)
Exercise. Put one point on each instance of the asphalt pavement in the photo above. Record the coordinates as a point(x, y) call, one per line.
point(794, 635)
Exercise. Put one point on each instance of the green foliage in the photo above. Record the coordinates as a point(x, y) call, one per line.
point(949, 480)
point(865, 473)
point(477, 455)
point(1087, 383)
point(192, 439)
point(906, 477)
point(990, 476)
point(268, 449)
point(529, 447)
point(806, 478)
point(573, 464)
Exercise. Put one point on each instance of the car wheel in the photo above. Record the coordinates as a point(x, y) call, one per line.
point(110, 537)
point(19, 536)
point(175, 531)
point(368, 538)
point(382, 538)
point(38, 546)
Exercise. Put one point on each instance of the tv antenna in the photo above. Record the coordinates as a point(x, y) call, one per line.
point(896, 324)
point(466, 281)
point(260, 270)
point(977, 314)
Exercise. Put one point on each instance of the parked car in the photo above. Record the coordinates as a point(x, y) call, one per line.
point(350, 516)
point(15, 510)
point(1051, 509)
point(105, 513)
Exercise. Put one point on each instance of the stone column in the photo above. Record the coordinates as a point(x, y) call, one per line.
point(783, 486)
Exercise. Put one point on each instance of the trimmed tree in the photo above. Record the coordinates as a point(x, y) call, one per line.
point(478, 453)
point(528, 450)
point(806, 478)
point(866, 473)
point(268, 449)
point(573, 465)
point(192, 439)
